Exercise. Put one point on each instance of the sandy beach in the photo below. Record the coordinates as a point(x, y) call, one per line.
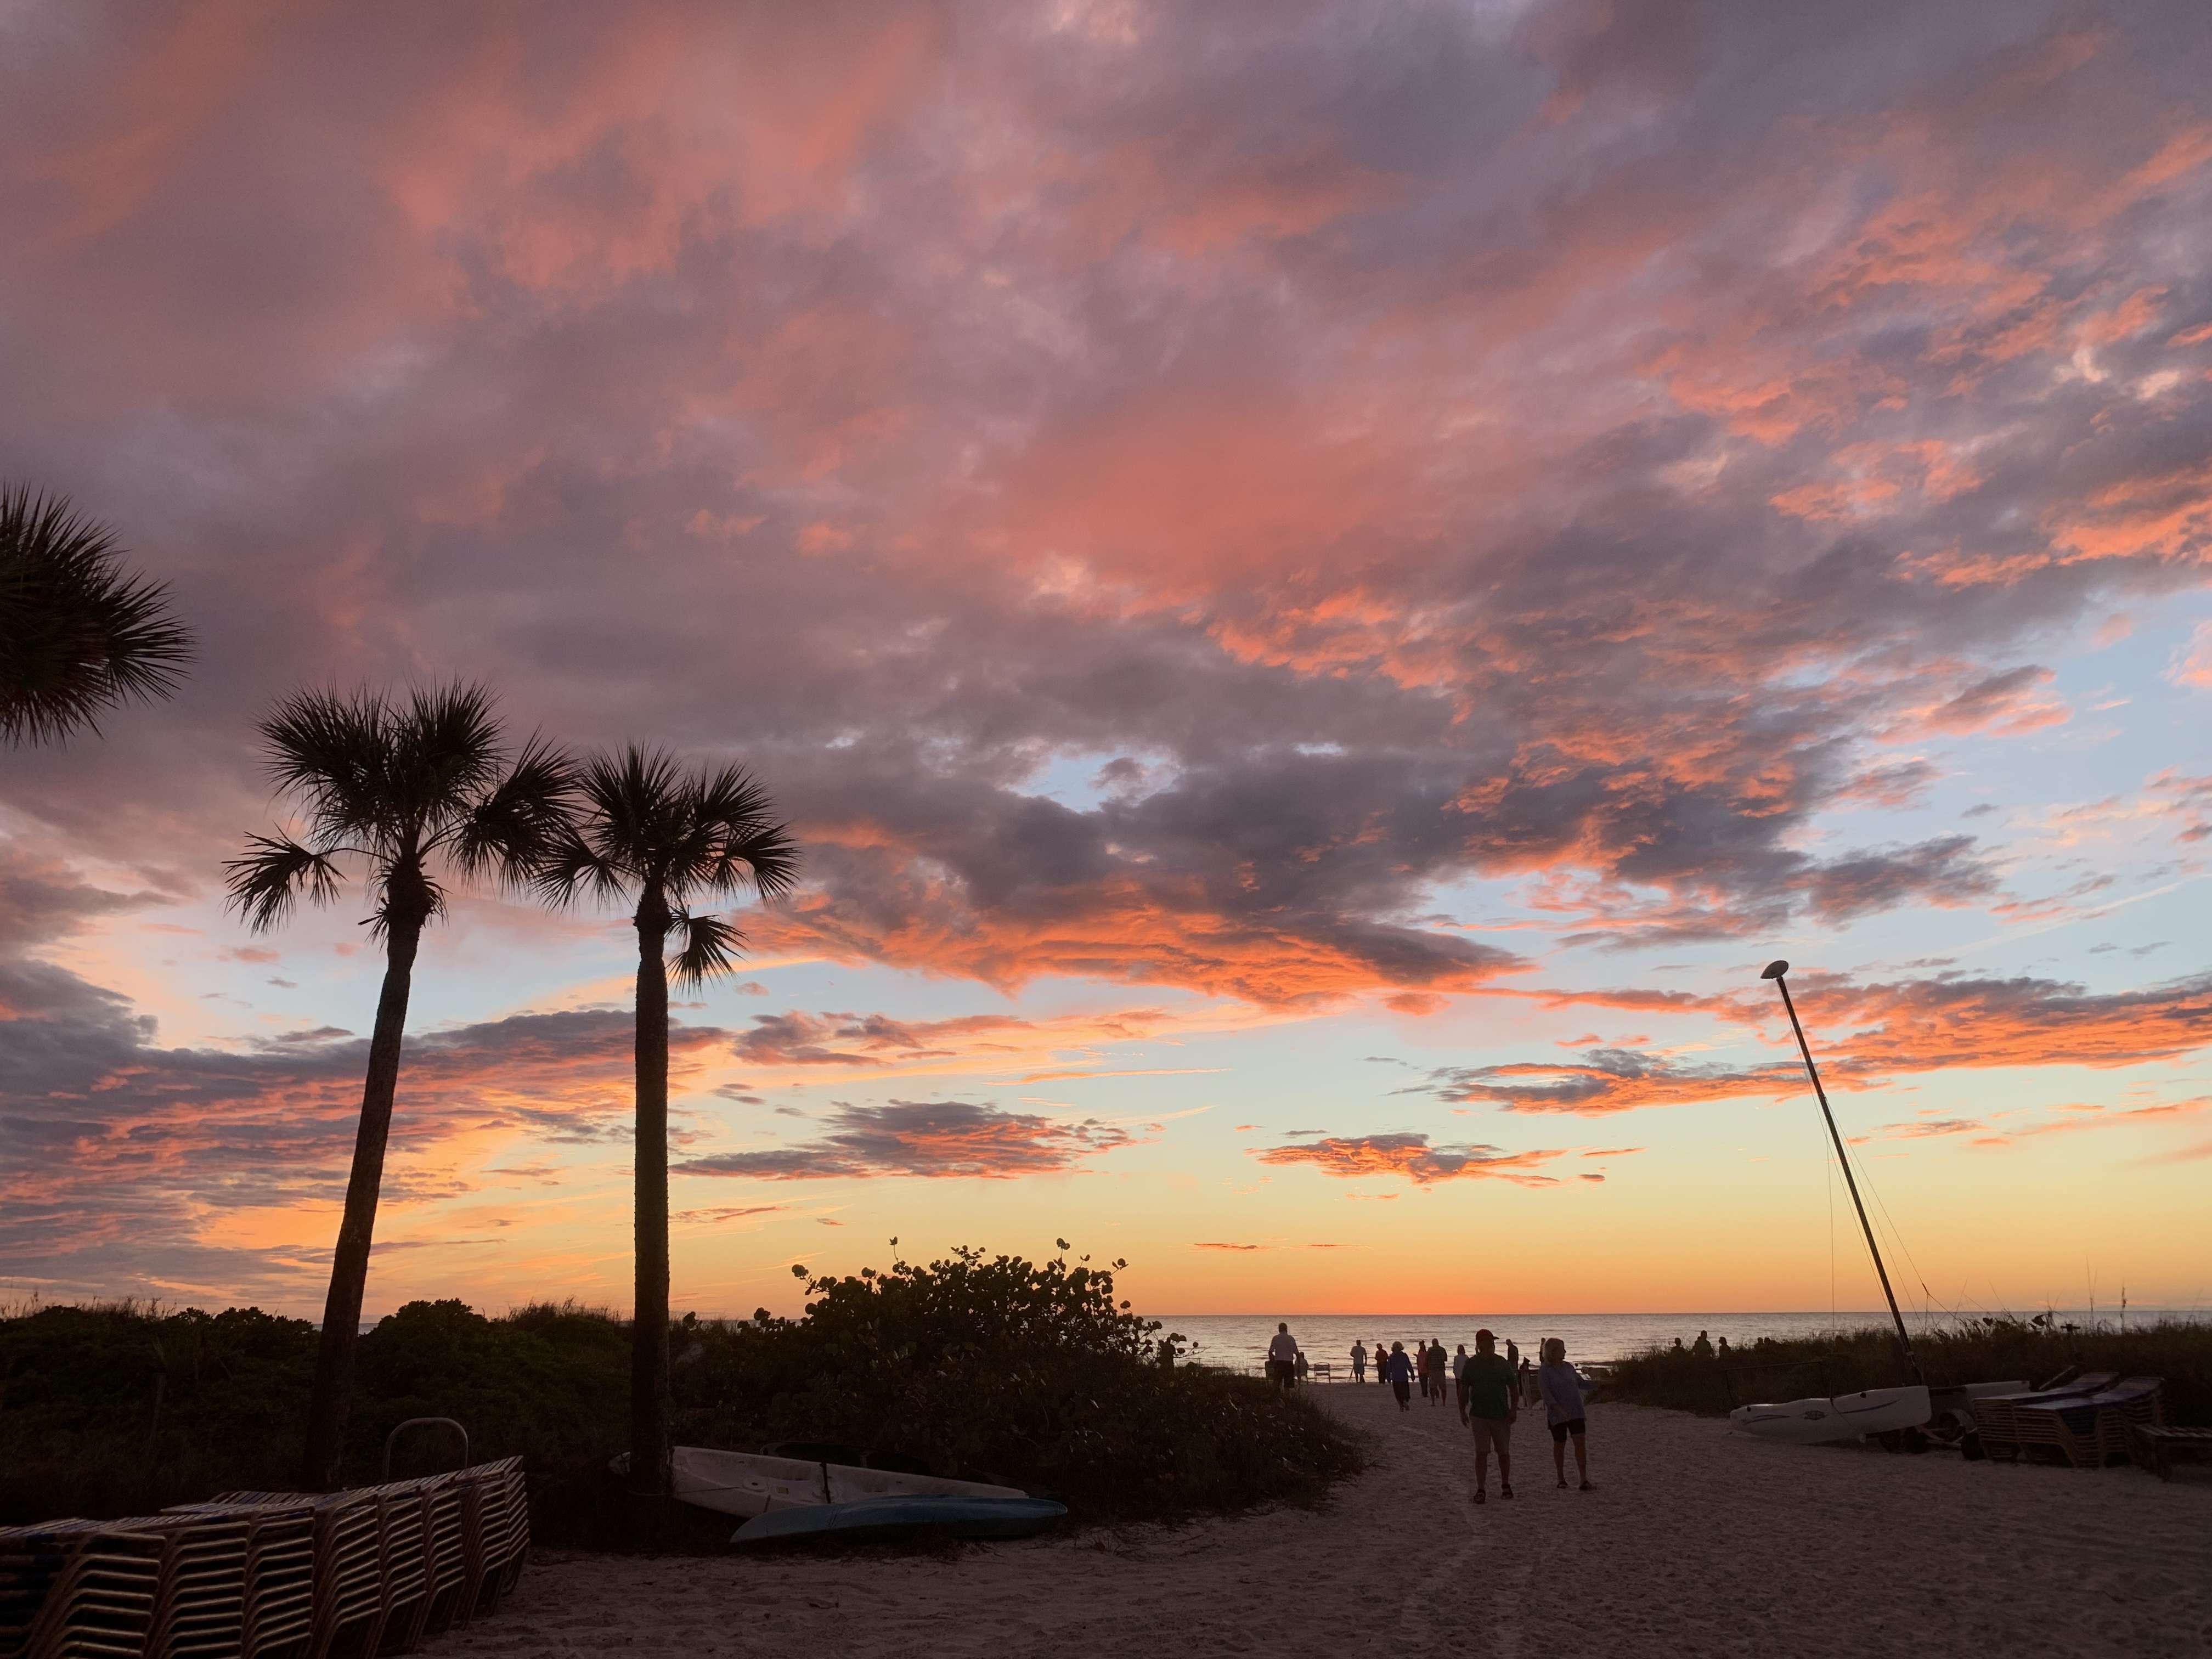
point(1699, 1541)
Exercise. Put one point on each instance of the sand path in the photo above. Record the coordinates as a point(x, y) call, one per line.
point(1699, 1541)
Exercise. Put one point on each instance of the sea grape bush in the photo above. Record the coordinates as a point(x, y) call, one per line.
point(1036, 1373)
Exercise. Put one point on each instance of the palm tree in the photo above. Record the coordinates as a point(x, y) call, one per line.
point(77, 633)
point(403, 787)
point(643, 830)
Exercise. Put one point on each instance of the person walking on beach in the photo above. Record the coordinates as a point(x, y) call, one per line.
point(1433, 1358)
point(1359, 1361)
point(1381, 1360)
point(1562, 1387)
point(1490, 1409)
point(1723, 1352)
point(1282, 1356)
point(1399, 1373)
point(1703, 1348)
point(1525, 1381)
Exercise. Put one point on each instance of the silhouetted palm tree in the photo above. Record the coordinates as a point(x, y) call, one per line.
point(644, 831)
point(403, 787)
point(78, 634)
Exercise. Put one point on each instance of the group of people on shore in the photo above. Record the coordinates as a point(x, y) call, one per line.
point(1490, 1388)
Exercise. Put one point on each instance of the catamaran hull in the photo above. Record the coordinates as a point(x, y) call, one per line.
point(746, 1484)
point(1844, 1417)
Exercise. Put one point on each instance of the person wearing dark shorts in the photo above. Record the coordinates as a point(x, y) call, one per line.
point(1398, 1371)
point(1490, 1409)
point(1561, 1385)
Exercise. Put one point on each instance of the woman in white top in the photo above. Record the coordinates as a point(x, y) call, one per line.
point(1561, 1386)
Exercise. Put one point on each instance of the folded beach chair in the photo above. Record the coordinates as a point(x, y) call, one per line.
point(199, 1604)
point(280, 1573)
point(450, 1500)
point(507, 1543)
point(489, 1537)
point(403, 1539)
point(347, 1567)
point(78, 1588)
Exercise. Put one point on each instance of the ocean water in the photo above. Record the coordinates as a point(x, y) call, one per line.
point(1239, 1341)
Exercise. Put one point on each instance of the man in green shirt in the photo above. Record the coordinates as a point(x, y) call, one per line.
point(1490, 1408)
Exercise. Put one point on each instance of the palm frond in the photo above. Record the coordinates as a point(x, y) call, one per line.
point(446, 751)
point(736, 840)
point(268, 880)
point(82, 634)
point(522, 824)
point(710, 949)
point(573, 865)
point(334, 750)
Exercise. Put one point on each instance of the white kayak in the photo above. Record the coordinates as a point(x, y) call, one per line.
point(1843, 1417)
point(747, 1484)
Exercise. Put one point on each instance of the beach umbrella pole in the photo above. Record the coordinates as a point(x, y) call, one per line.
point(1775, 971)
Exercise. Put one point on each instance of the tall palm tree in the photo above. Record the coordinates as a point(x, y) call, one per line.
point(403, 787)
point(644, 831)
point(78, 633)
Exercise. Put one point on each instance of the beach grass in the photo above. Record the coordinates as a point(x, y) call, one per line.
point(1977, 1350)
point(982, 1367)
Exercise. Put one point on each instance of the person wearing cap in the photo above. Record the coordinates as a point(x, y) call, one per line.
point(1491, 1405)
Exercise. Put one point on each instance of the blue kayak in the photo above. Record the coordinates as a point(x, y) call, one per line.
point(962, 1517)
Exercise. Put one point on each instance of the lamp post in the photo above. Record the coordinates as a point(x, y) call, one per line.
point(1776, 971)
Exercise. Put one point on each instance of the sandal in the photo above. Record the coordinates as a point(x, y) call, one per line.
point(1481, 1496)
point(1504, 1490)
point(1563, 1486)
point(1586, 1485)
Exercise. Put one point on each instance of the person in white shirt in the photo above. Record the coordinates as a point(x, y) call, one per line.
point(1282, 1357)
point(1359, 1360)
point(1561, 1386)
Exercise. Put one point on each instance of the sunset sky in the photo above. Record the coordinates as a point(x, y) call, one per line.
point(1322, 584)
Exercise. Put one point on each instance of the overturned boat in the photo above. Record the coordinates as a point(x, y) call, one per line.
point(748, 1484)
point(1838, 1417)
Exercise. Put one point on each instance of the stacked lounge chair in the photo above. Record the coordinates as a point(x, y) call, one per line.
point(269, 1575)
point(2089, 1423)
point(1996, 1416)
point(2090, 1430)
point(77, 1587)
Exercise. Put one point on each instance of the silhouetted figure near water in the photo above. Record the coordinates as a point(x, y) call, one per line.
point(1282, 1357)
point(1359, 1361)
point(1703, 1348)
point(1562, 1386)
point(1724, 1353)
point(1398, 1371)
point(1490, 1409)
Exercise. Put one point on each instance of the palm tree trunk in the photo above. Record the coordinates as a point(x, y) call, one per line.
point(326, 1408)
point(648, 1371)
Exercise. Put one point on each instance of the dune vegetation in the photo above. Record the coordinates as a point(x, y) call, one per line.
point(1028, 1372)
point(1975, 1350)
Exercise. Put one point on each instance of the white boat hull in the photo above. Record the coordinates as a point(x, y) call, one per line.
point(1844, 1417)
point(746, 1484)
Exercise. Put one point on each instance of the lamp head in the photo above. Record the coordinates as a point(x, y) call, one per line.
point(1775, 969)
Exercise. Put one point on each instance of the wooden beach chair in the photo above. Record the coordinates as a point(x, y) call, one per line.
point(2090, 1430)
point(1996, 1416)
point(2156, 1447)
point(78, 1588)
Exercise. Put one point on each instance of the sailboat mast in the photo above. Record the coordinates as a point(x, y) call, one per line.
point(1775, 971)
